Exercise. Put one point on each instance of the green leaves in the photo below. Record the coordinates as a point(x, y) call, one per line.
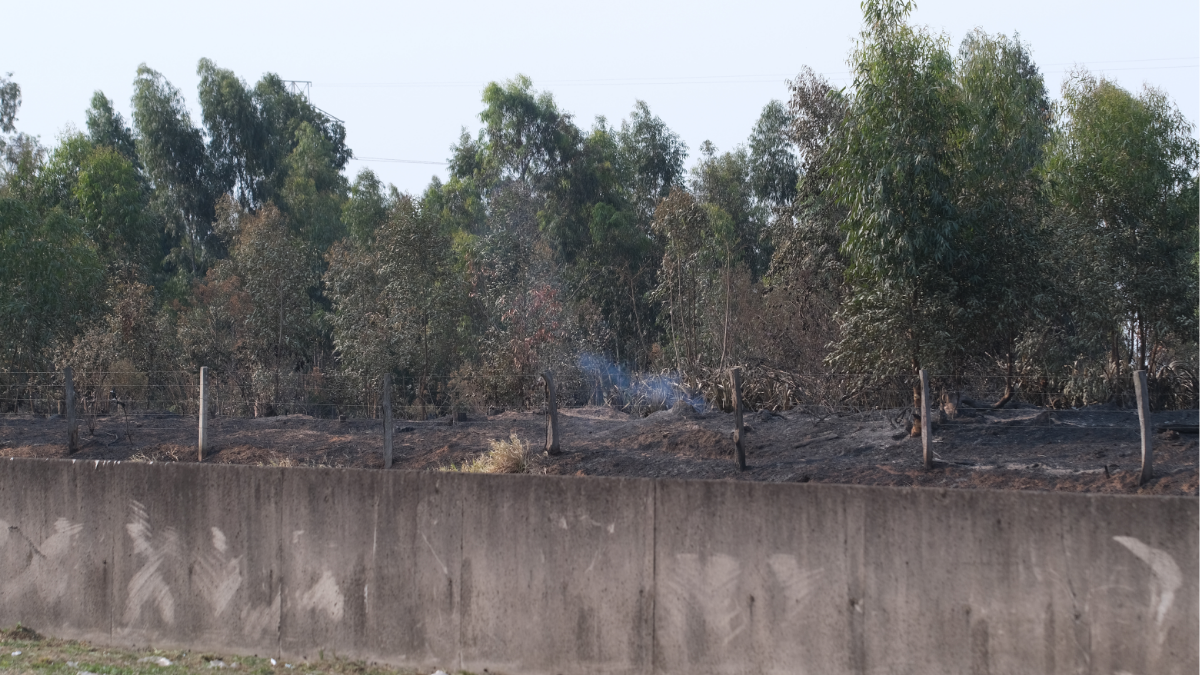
point(106, 127)
point(938, 213)
point(397, 300)
point(112, 204)
point(774, 167)
point(1122, 173)
point(651, 160)
point(10, 103)
point(237, 137)
point(724, 181)
point(314, 190)
point(527, 135)
point(367, 208)
point(51, 277)
point(894, 177)
point(1005, 277)
point(176, 161)
point(253, 310)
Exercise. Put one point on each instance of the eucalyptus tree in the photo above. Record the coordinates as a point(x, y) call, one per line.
point(102, 189)
point(1005, 289)
point(252, 311)
point(50, 283)
point(1122, 172)
point(111, 200)
point(774, 166)
point(237, 137)
point(268, 144)
point(366, 209)
point(625, 172)
point(315, 189)
point(589, 176)
point(283, 114)
point(532, 178)
point(252, 132)
point(735, 248)
point(10, 103)
point(106, 127)
point(275, 271)
point(57, 177)
point(398, 298)
point(652, 158)
point(176, 160)
point(525, 142)
point(527, 136)
point(607, 259)
point(808, 258)
point(724, 181)
point(682, 224)
point(21, 155)
point(894, 177)
point(806, 278)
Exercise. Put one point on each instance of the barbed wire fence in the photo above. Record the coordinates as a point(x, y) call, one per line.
point(356, 396)
point(145, 399)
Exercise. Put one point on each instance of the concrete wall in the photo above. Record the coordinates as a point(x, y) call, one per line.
point(524, 574)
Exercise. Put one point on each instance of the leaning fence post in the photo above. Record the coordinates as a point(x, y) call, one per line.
point(735, 378)
point(552, 445)
point(69, 404)
point(1141, 388)
point(926, 423)
point(387, 421)
point(202, 441)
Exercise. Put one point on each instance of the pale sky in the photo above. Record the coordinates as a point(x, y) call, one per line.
point(407, 77)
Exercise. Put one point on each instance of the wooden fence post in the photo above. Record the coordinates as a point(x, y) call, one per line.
point(552, 444)
point(735, 379)
point(1141, 388)
point(69, 404)
point(202, 441)
point(926, 423)
point(387, 421)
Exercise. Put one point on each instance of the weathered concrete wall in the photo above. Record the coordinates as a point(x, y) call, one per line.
point(770, 578)
point(140, 554)
point(526, 574)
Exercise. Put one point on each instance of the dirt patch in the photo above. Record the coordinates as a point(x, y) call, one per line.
point(1089, 450)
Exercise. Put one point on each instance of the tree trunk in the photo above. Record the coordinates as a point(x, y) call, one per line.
point(725, 327)
point(916, 399)
point(1008, 386)
point(916, 406)
point(1141, 343)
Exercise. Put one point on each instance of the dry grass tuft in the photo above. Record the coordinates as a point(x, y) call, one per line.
point(159, 454)
point(279, 459)
point(511, 456)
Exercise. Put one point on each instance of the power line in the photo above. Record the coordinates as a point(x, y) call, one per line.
point(399, 161)
point(566, 83)
point(722, 79)
point(1171, 58)
point(1107, 70)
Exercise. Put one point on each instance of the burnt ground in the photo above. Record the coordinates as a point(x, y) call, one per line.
point(1090, 450)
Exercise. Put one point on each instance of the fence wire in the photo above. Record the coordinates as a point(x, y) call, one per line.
point(147, 396)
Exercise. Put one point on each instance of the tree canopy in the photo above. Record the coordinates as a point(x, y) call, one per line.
point(937, 213)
